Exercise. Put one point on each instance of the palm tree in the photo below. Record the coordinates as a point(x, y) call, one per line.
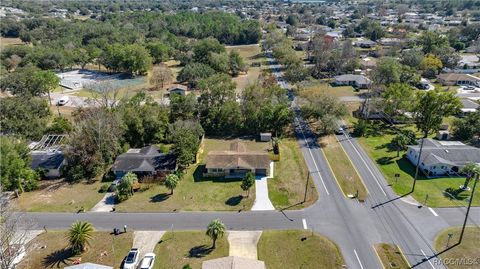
point(79, 235)
point(171, 182)
point(470, 170)
point(215, 229)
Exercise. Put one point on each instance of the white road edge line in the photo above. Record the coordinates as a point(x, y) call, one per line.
point(304, 224)
point(358, 259)
point(425, 255)
point(433, 212)
point(366, 165)
point(311, 155)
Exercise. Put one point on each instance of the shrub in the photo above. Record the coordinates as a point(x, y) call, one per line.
point(104, 188)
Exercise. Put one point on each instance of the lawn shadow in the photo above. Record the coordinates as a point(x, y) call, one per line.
point(234, 200)
point(199, 251)
point(159, 197)
point(385, 160)
point(58, 258)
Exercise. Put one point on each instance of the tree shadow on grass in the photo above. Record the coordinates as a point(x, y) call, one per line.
point(234, 200)
point(456, 194)
point(58, 258)
point(199, 251)
point(385, 160)
point(159, 197)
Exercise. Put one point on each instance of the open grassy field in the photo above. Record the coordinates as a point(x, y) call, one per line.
point(60, 196)
point(195, 192)
point(390, 256)
point(298, 249)
point(51, 250)
point(177, 249)
point(314, 87)
point(344, 171)
point(250, 54)
point(9, 41)
point(467, 250)
point(388, 162)
point(287, 188)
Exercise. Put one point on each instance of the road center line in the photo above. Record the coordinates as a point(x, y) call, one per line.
point(433, 212)
point(425, 255)
point(304, 224)
point(358, 259)
point(366, 165)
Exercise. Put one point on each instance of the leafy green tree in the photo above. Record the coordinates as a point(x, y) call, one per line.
point(137, 59)
point(411, 57)
point(15, 171)
point(23, 116)
point(326, 110)
point(160, 52)
point(125, 188)
point(203, 48)
point(183, 107)
point(470, 170)
point(292, 20)
point(185, 136)
point(236, 63)
point(60, 125)
point(467, 128)
point(171, 182)
point(388, 71)
point(248, 182)
point(431, 41)
point(215, 229)
point(194, 72)
point(296, 73)
point(429, 110)
point(144, 120)
point(399, 142)
point(79, 236)
point(360, 128)
point(46, 81)
point(219, 61)
point(430, 65)
point(397, 99)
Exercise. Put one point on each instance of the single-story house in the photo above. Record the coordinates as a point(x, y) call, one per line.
point(233, 262)
point(88, 265)
point(177, 89)
point(366, 44)
point(357, 81)
point(50, 161)
point(450, 79)
point(443, 157)
point(146, 161)
point(468, 106)
point(237, 162)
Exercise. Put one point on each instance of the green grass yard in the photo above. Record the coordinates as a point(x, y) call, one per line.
point(298, 249)
point(344, 171)
point(177, 249)
point(388, 162)
point(314, 87)
point(250, 54)
point(467, 250)
point(391, 256)
point(51, 250)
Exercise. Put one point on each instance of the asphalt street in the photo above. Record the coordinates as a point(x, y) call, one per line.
point(355, 227)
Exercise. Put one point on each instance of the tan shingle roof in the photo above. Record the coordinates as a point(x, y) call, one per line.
point(238, 157)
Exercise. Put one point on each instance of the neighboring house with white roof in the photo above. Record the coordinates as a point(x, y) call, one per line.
point(357, 81)
point(468, 106)
point(441, 158)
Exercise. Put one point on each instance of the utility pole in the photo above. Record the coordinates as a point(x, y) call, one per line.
point(468, 209)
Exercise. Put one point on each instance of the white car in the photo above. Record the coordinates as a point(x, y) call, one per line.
point(147, 261)
point(131, 260)
point(63, 101)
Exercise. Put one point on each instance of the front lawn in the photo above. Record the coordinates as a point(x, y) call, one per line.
point(388, 162)
point(51, 250)
point(177, 249)
point(343, 169)
point(61, 196)
point(390, 256)
point(310, 88)
point(287, 187)
point(195, 193)
point(467, 251)
point(298, 249)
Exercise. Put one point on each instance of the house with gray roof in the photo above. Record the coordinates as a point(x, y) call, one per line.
point(441, 158)
point(468, 106)
point(48, 161)
point(146, 161)
point(357, 81)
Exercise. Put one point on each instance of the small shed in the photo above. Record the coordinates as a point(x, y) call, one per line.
point(177, 89)
point(265, 137)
